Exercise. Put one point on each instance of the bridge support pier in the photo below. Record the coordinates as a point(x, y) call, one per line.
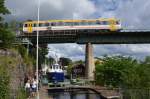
point(89, 62)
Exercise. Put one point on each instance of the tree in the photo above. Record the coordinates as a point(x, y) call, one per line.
point(65, 61)
point(124, 72)
point(6, 36)
point(42, 55)
point(51, 60)
point(3, 9)
point(79, 62)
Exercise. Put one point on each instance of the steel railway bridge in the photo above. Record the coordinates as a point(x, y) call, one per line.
point(90, 37)
point(94, 37)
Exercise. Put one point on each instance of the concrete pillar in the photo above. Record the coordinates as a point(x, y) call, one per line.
point(89, 62)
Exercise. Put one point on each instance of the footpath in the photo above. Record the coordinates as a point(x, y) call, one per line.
point(43, 94)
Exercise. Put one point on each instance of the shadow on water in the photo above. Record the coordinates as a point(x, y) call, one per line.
point(82, 94)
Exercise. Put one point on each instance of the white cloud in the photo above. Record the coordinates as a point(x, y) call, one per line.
point(133, 13)
point(139, 50)
point(50, 9)
point(72, 51)
point(77, 52)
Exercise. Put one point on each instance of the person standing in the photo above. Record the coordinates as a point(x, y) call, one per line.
point(28, 88)
point(34, 87)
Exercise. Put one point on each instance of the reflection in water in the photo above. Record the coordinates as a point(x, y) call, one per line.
point(75, 95)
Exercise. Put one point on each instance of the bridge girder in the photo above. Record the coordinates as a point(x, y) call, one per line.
point(93, 37)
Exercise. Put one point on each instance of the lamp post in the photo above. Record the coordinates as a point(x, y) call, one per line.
point(37, 52)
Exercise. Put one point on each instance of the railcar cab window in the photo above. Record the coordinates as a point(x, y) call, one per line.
point(30, 25)
point(25, 25)
point(117, 22)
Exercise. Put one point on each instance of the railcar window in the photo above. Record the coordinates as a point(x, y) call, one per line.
point(76, 23)
point(84, 23)
point(46, 24)
point(60, 23)
point(40, 24)
point(25, 25)
point(53, 24)
point(79, 23)
point(34, 25)
point(89, 23)
point(105, 22)
point(98, 22)
point(43, 24)
point(71, 23)
point(117, 22)
point(49, 24)
point(68, 24)
point(92, 23)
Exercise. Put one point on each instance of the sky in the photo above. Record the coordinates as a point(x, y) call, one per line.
point(134, 14)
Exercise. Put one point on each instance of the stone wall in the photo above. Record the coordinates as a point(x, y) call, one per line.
point(16, 69)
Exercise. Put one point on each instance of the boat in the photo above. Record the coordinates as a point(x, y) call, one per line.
point(55, 73)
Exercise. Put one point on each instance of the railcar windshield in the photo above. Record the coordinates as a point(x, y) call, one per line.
point(117, 22)
point(25, 25)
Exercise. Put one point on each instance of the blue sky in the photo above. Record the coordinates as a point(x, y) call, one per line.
point(134, 14)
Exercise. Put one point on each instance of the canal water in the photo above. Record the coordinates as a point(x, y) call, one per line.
point(75, 95)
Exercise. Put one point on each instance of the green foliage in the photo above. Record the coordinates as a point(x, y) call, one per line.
point(4, 83)
point(28, 59)
point(21, 94)
point(79, 62)
point(7, 64)
point(22, 50)
point(3, 9)
point(14, 25)
point(65, 61)
point(6, 38)
point(42, 53)
point(123, 72)
point(50, 60)
point(69, 69)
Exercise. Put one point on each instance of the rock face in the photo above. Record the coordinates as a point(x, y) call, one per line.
point(16, 69)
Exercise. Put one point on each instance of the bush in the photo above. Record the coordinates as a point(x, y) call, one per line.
point(123, 72)
point(21, 94)
point(7, 38)
point(4, 83)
